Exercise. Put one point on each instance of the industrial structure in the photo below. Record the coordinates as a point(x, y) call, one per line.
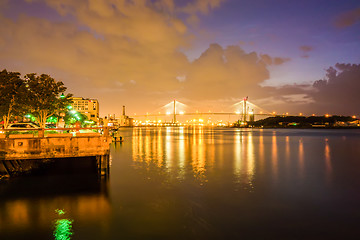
point(125, 121)
point(122, 121)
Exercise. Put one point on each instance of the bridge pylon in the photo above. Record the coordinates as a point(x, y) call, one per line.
point(174, 119)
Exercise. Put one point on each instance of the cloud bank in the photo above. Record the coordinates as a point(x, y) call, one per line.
point(130, 51)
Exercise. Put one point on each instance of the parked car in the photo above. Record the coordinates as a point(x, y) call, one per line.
point(50, 125)
point(26, 125)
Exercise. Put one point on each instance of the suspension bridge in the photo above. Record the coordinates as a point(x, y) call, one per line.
point(244, 111)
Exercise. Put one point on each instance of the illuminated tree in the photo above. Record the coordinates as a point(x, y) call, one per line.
point(12, 95)
point(73, 116)
point(45, 96)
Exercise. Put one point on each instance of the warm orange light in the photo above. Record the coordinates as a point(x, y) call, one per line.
point(354, 116)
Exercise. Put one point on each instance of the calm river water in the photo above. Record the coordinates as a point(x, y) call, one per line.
point(197, 183)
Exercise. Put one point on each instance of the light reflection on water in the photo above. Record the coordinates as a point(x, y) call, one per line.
point(200, 151)
point(62, 226)
point(36, 215)
point(327, 160)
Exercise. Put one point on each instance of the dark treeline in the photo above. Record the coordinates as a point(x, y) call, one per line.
point(302, 121)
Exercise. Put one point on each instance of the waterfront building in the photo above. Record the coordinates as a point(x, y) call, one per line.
point(88, 107)
point(122, 121)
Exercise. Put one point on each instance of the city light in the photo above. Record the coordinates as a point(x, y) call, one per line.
point(203, 120)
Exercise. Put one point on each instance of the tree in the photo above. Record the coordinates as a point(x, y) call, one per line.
point(12, 95)
point(72, 116)
point(45, 96)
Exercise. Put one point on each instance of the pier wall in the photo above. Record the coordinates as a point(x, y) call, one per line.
point(26, 146)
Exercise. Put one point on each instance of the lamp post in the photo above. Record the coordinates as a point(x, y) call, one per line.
point(61, 121)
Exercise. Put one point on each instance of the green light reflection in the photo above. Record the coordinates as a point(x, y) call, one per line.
point(63, 227)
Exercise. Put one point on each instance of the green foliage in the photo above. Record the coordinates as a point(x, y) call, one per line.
point(72, 116)
point(36, 96)
point(12, 96)
point(44, 96)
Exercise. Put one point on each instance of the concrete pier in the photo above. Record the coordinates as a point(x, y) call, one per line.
point(17, 149)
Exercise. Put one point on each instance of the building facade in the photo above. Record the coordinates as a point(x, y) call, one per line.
point(86, 106)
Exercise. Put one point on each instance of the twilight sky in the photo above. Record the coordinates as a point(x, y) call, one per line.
point(208, 54)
